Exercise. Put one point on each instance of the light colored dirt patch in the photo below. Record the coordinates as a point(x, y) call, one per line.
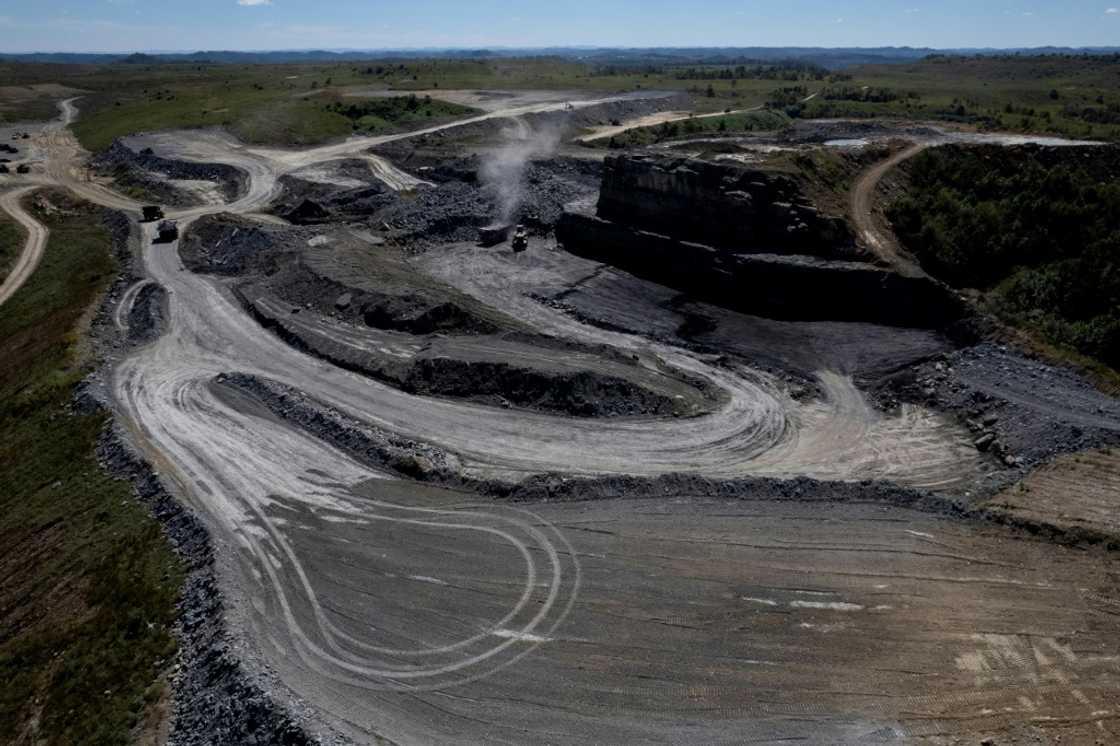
point(1075, 491)
point(684, 620)
point(204, 192)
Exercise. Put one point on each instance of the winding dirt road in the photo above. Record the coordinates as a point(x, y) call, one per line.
point(421, 615)
point(862, 210)
point(37, 235)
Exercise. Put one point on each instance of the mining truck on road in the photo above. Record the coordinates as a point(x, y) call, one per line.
point(493, 234)
point(520, 239)
point(168, 231)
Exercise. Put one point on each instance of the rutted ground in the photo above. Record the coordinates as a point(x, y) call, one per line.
point(392, 609)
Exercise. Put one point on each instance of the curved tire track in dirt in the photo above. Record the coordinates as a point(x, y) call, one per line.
point(33, 249)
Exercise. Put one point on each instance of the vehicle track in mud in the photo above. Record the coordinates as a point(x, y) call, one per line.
point(400, 611)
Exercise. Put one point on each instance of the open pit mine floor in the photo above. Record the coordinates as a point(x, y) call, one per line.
point(774, 558)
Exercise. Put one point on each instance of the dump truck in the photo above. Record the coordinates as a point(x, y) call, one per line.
point(23, 168)
point(520, 239)
point(493, 234)
point(168, 231)
point(152, 213)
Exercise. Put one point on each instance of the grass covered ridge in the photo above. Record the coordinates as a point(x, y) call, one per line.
point(1038, 230)
point(394, 113)
point(89, 585)
point(283, 104)
point(12, 237)
point(1074, 96)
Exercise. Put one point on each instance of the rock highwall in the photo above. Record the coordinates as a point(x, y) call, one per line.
point(794, 287)
point(721, 205)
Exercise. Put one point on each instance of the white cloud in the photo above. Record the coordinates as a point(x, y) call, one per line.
point(254, 2)
point(1112, 11)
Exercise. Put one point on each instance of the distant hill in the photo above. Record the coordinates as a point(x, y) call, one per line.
point(834, 58)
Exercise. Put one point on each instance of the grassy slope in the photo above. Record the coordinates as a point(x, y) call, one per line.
point(393, 113)
point(11, 244)
point(985, 87)
point(89, 585)
point(281, 104)
point(29, 103)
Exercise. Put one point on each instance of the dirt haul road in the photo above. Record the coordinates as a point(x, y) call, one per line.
point(869, 227)
point(32, 252)
point(421, 615)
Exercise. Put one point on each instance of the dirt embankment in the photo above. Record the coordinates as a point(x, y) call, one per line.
point(1017, 406)
point(156, 177)
point(425, 463)
point(394, 326)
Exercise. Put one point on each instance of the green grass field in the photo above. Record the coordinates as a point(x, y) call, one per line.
point(1018, 94)
point(88, 598)
point(282, 104)
point(11, 244)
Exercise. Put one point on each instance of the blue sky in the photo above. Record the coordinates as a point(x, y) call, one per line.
point(129, 25)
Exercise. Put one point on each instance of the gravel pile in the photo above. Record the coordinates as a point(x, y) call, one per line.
point(1020, 409)
point(230, 245)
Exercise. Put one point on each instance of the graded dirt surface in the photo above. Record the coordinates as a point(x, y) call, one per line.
point(377, 608)
point(438, 619)
point(1077, 492)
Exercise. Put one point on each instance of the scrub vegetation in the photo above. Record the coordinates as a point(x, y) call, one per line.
point(1037, 229)
point(1068, 95)
point(11, 244)
point(395, 113)
point(88, 597)
point(294, 104)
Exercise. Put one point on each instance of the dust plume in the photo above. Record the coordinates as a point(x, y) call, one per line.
point(503, 169)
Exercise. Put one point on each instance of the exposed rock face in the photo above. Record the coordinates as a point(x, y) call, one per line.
point(744, 240)
point(721, 205)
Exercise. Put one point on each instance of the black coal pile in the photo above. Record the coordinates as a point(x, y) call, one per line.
point(226, 244)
